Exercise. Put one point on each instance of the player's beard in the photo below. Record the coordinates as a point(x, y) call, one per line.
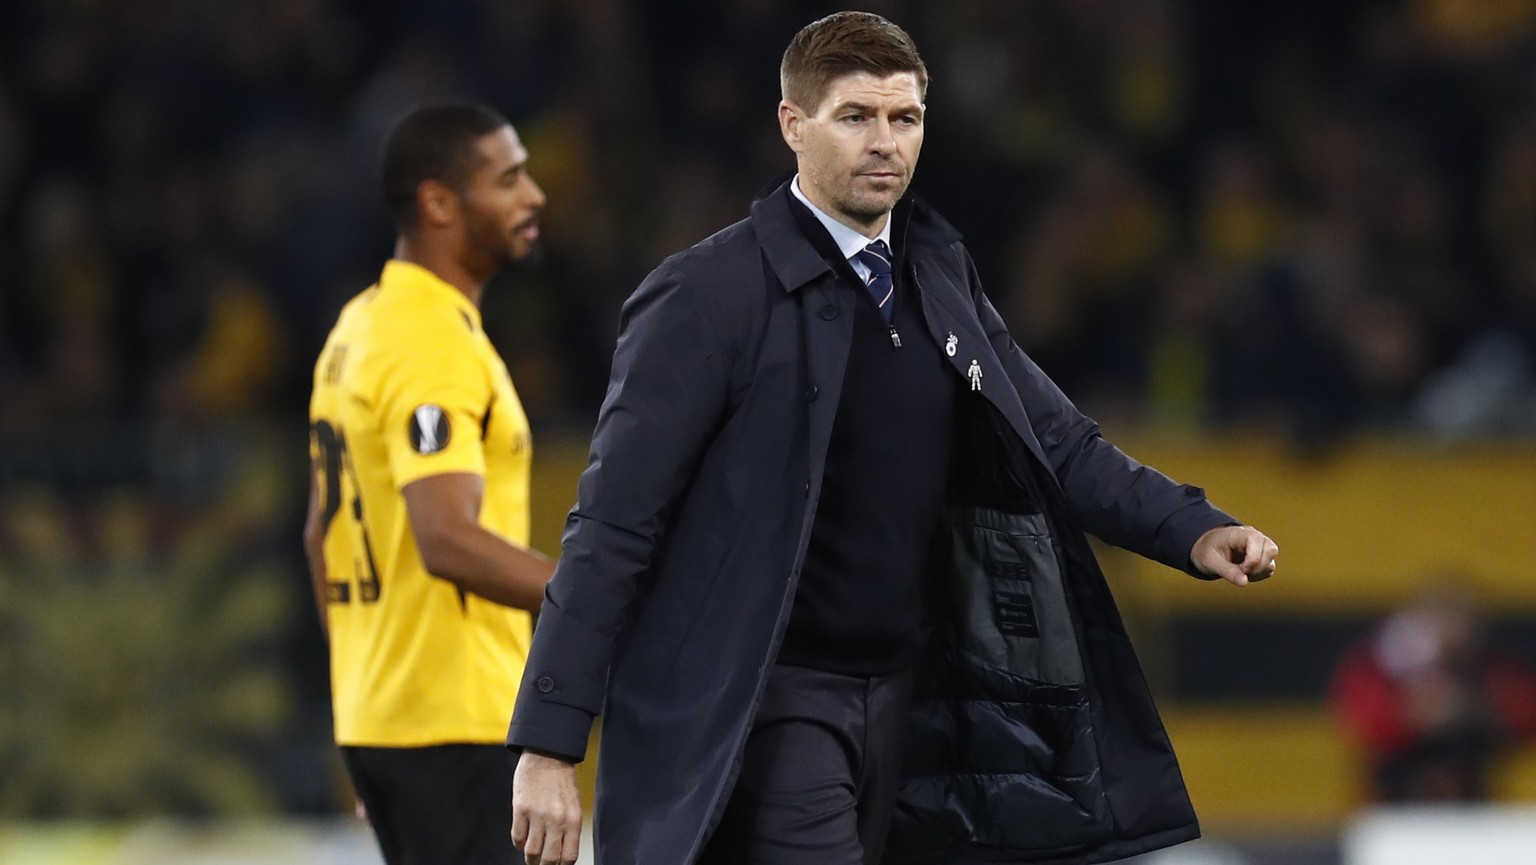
point(845, 196)
point(489, 236)
point(870, 204)
point(530, 259)
point(531, 256)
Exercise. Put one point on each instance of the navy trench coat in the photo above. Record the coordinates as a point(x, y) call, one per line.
point(1033, 736)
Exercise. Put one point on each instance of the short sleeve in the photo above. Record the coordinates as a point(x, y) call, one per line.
point(434, 396)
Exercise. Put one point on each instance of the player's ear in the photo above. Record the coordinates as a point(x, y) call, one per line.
point(439, 204)
point(791, 119)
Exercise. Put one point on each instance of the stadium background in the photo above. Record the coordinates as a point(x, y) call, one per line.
point(1284, 249)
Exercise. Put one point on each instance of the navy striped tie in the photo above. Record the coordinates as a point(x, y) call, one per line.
point(877, 257)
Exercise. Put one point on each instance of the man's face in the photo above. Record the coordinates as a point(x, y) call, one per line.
point(501, 204)
point(858, 150)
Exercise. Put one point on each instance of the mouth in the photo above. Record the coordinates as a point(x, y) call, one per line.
point(528, 231)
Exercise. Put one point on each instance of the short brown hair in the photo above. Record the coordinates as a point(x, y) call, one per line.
point(844, 43)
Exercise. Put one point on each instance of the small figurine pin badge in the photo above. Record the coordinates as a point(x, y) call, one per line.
point(975, 373)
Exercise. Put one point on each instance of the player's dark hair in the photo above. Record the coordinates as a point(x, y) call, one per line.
point(436, 142)
point(843, 43)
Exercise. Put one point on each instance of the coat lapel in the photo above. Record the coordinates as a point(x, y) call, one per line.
point(941, 294)
point(826, 311)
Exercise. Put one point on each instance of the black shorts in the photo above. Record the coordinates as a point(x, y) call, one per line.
point(442, 805)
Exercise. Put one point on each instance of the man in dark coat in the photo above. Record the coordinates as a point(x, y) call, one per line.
point(827, 578)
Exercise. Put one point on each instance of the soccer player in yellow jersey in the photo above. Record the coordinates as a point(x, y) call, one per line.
point(418, 522)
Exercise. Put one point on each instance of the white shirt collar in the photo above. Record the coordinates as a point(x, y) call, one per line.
point(849, 242)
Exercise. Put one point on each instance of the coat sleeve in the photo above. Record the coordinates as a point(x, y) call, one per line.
point(1114, 497)
point(667, 395)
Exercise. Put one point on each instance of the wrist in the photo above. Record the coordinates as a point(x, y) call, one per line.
point(549, 756)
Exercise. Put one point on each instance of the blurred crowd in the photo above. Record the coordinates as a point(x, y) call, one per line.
point(1309, 216)
point(1430, 704)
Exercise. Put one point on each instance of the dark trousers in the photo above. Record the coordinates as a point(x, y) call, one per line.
point(819, 775)
point(442, 805)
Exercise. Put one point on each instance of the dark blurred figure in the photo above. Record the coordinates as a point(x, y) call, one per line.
point(1431, 705)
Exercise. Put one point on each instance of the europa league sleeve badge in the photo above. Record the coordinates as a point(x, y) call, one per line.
point(429, 430)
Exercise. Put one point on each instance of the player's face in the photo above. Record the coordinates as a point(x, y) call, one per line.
point(502, 203)
point(858, 150)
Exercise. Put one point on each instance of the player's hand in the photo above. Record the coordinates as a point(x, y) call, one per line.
point(546, 810)
point(1238, 554)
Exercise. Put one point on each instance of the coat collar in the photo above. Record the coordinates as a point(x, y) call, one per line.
point(916, 231)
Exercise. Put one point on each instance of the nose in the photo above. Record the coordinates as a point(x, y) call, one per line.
point(882, 139)
point(535, 194)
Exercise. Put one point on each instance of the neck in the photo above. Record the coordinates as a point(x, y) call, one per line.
point(443, 265)
point(870, 226)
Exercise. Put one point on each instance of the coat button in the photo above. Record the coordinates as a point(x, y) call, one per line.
point(828, 312)
point(545, 684)
point(810, 393)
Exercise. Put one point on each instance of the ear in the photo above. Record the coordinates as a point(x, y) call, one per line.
point(438, 203)
point(791, 119)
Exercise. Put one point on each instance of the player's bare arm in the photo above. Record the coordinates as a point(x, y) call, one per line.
point(314, 550)
point(444, 512)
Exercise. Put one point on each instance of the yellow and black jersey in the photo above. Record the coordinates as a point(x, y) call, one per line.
point(409, 386)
